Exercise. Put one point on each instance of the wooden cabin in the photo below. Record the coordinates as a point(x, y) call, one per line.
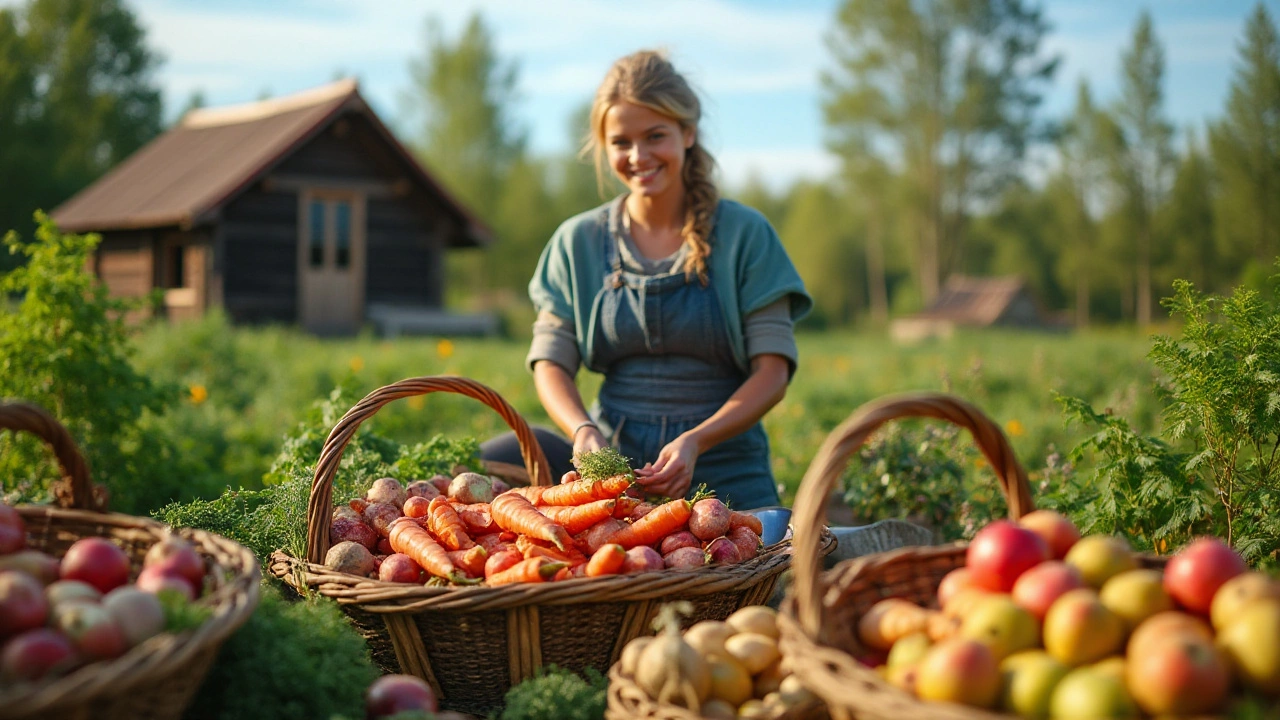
point(302, 210)
point(967, 301)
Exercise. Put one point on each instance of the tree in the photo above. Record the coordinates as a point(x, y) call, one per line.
point(77, 96)
point(943, 92)
point(1245, 146)
point(819, 233)
point(1076, 193)
point(1143, 156)
point(1188, 220)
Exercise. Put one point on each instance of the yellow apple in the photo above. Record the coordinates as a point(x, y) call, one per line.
point(1027, 682)
point(1238, 592)
point(1135, 595)
point(960, 671)
point(1086, 694)
point(1099, 557)
point(1002, 625)
point(908, 651)
point(1252, 643)
point(1079, 629)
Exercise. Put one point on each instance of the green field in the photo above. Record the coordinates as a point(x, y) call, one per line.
point(245, 388)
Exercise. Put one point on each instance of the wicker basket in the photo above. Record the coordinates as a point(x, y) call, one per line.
point(628, 702)
point(819, 618)
point(473, 643)
point(156, 679)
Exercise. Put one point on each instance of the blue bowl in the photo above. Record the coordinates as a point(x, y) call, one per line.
point(776, 521)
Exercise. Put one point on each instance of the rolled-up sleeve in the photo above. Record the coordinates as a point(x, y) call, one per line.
point(554, 339)
point(770, 331)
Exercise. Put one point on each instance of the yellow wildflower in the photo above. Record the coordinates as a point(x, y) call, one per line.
point(417, 402)
point(444, 349)
point(199, 394)
point(1014, 428)
point(357, 364)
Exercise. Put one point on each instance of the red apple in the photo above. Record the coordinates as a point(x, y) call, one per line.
point(97, 561)
point(22, 603)
point(1037, 588)
point(1196, 572)
point(43, 566)
point(391, 694)
point(36, 653)
point(179, 558)
point(952, 583)
point(92, 629)
point(1001, 552)
point(156, 579)
point(1180, 675)
point(13, 531)
point(1058, 532)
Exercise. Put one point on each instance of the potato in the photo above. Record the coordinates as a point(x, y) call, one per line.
point(387, 490)
point(350, 557)
point(685, 558)
point(760, 619)
point(709, 519)
point(352, 529)
point(470, 488)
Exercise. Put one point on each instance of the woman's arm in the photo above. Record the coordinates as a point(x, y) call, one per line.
point(563, 402)
point(672, 473)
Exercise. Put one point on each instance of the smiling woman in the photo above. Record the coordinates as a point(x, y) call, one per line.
point(685, 302)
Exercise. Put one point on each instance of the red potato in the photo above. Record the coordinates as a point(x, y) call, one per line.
point(387, 490)
point(709, 519)
point(677, 540)
point(441, 483)
point(499, 486)
point(501, 560)
point(417, 506)
point(747, 542)
point(599, 534)
point(43, 566)
point(685, 559)
point(723, 551)
point(641, 510)
point(358, 504)
point(350, 557)
point(379, 516)
point(383, 547)
point(643, 559)
point(423, 489)
point(400, 568)
point(747, 520)
point(471, 488)
point(345, 511)
point(395, 694)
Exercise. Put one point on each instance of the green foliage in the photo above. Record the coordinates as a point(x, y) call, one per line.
point(66, 348)
point(921, 473)
point(292, 659)
point(603, 463)
point(556, 694)
point(180, 613)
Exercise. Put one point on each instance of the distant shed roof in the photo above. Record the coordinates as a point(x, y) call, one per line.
point(214, 154)
point(974, 300)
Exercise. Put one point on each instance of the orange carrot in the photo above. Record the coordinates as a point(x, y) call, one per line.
point(500, 561)
point(470, 561)
point(416, 507)
point(514, 513)
point(741, 519)
point(532, 493)
point(532, 570)
point(606, 561)
point(444, 523)
point(563, 573)
point(476, 517)
point(411, 539)
point(492, 542)
point(660, 522)
point(535, 548)
point(625, 505)
point(576, 518)
point(585, 491)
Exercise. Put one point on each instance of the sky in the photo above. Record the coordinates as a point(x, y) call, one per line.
point(756, 63)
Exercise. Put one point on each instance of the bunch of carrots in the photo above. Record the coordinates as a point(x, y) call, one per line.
point(463, 531)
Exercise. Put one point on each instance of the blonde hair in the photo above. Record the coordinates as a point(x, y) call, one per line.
point(647, 78)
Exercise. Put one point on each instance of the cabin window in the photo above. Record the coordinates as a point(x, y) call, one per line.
point(316, 240)
point(175, 275)
point(342, 233)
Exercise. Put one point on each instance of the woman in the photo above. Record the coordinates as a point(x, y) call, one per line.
point(683, 301)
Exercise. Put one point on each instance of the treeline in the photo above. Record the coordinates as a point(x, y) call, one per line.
point(948, 163)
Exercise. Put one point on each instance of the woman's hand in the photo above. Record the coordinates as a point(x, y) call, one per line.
point(588, 439)
point(672, 473)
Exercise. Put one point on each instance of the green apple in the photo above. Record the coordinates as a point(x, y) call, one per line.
point(1027, 682)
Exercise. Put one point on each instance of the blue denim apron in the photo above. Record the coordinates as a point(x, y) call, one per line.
point(661, 343)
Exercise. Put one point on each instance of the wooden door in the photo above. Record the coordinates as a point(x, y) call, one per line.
point(331, 261)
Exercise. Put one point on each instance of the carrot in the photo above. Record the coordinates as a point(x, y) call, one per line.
point(411, 539)
point(417, 507)
point(492, 542)
point(563, 573)
point(741, 519)
point(515, 514)
point(444, 523)
point(500, 561)
point(576, 518)
point(535, 548)
point(585, 491)
point(625, 505)
point(532, 570)
point(476, 517)
point(470, 561)
point(657, 524)
point(532, 493)
point(606, 561)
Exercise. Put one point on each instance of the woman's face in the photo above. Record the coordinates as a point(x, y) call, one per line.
point(646, 149)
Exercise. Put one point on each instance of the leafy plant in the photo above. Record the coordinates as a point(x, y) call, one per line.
point(603, 463)
point(556, 694)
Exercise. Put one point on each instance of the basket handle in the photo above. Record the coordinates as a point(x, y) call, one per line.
point(319, 506)
point(829, 464)
point(75, 490)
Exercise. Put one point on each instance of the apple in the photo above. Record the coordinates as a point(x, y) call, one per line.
point(391, 694)
point(13, 531)
point(97, 561)
point(1086, 694)
point(1099, 557)
point(179, 557)
point(138, 612)
point(1029, 678)
point(908, 650)
point(92, 629)
point(1238, 592)
point(41, 565)
point(1252, 643)
point(1079, 629)
point(903, 677)
point(1002, 551)
point(1038, 587)
point(1135, 595)
point(1058, 532)
point(22, 603)
point(1001, 625)
point(65, 591)
point(1115, 665)
point(952, 583)
point(960, 671)
point(156, 579)
point(1164, 625)
point(1196, 572)
point(36, 653)
point(1178, 675)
